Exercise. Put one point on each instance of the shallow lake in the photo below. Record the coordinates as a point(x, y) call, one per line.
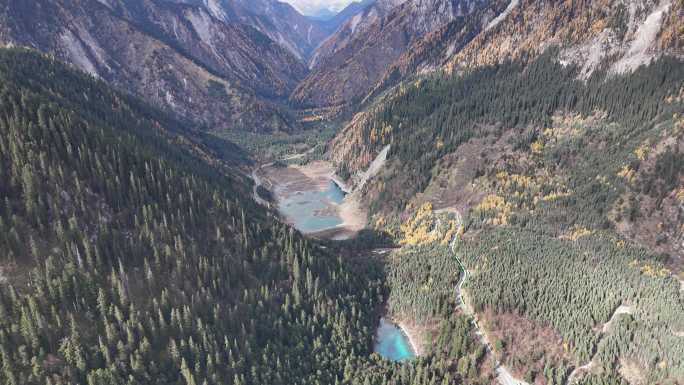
point(313, 210)
point(392, 343)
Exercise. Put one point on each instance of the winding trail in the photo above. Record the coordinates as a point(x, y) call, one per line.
point(504, 376)
point(605, 328)
point(258, 182)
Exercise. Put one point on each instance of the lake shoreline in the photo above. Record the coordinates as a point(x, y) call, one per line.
point(354, 216)
point(315, 176)
point(413, 334)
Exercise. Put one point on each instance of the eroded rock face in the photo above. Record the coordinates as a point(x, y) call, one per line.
point(620, 35)
point(278, 20)
point(177, 56)
point(347, 65)
point(352, 27)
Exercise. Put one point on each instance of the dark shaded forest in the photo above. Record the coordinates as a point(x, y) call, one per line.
point(132, 253)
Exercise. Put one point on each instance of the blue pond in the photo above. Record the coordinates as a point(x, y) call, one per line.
point(312, 211)
point(392, 343)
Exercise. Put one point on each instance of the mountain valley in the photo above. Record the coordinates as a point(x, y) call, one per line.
point(408, 192)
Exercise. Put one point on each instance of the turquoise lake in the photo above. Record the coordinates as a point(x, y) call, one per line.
point(392, 343)
point(314, 210)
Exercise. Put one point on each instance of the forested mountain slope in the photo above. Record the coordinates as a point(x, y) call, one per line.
point(596, 34)
point(367, 56)
point(132, 255)
point(128, 260)
point(555, 129)
point(177, 56)
point(573, 193)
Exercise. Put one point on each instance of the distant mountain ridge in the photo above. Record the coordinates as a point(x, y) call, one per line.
point(394, 39)
point(278, 20)
point(227, 64)
point(334, 20)
point(350, 62)
point(179, 56)
point(238, 64)
point(322, 15)
point(366, 14)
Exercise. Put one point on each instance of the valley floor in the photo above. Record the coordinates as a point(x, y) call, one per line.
point(287, 181)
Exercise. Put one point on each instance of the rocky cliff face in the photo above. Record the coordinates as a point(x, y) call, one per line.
point(354, 25)
point(432, 51)
point(351, 10)
point(348, 64)
point(278, 20)
point(177, 56)
point(614, 35)
point(392, 40)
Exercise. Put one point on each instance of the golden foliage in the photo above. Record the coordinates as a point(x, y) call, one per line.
point(649, 270)
point(654, 272)
point(537, 147)
point(515, 181)
point(501, 208)
point(642, 151)
point(419, 230)
point(554, 196)
point(517, 191)
point(427, 227)
point(576, 233)
point(373, 137)
point(380, 222)
point(380, 135)
point(628, 174)
point(491, 202)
